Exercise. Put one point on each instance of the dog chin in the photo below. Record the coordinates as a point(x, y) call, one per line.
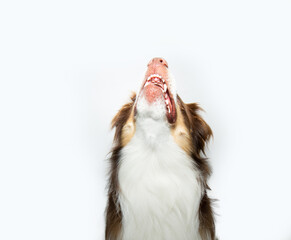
point(155, 110)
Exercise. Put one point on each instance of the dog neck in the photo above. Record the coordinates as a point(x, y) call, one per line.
point(159, 187)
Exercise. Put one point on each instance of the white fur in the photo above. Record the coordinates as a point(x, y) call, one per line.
point(159, 187)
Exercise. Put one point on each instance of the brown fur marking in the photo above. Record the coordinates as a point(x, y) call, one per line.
point(113, 211)
point(200, 134)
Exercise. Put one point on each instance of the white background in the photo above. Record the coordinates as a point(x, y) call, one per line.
point(66, 67)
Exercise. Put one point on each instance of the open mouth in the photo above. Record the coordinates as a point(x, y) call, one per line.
point(160, 82)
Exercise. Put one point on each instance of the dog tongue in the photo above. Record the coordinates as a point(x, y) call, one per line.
point(153, 93)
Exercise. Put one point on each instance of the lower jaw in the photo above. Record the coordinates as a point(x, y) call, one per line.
point(153, 108)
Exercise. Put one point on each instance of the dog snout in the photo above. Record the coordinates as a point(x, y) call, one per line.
point(158, 62)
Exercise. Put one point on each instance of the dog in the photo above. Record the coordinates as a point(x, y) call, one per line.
point(157, 187)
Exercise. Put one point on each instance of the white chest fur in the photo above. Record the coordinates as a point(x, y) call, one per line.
point(159, 188)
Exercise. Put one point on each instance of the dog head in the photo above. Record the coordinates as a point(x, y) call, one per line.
point(159, 101)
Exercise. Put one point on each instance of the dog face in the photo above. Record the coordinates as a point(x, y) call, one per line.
point(158, 99)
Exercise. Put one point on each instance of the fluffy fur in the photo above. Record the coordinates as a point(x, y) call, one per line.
point(158, 175)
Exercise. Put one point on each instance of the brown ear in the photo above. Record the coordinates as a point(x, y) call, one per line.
point(199, 130)
point(121, 117)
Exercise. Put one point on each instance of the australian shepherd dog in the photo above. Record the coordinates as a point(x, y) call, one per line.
point(157, 187)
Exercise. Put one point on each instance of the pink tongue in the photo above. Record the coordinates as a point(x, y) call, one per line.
point(153, 93)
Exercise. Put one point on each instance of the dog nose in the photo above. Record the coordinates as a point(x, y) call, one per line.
point(158, 62)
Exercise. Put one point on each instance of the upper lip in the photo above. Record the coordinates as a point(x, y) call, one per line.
point(157, 80)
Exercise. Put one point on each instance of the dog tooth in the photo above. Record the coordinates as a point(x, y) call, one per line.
point(165, 87)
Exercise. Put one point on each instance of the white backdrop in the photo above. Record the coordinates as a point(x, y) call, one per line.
point(66, 67)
